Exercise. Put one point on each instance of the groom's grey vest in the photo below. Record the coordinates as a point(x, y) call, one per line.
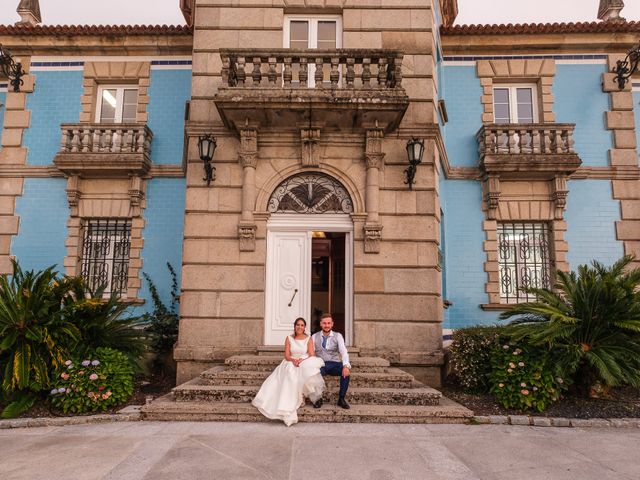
point(331, 353)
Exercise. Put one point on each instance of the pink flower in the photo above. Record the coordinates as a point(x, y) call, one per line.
point(101, 387)
point(512, 365)
point(65, 376)
point(81, 372)
point(524, 392)
point(93, 376)
point(523, 384)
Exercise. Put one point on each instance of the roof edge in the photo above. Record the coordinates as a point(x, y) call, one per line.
point(542, 28)
point(120, 30)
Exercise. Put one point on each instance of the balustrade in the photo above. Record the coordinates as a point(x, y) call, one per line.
point(106, 138)
point(342, 68)
point(526, 139)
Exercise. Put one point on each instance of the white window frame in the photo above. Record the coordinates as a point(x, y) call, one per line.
point(313, 28)
point(313, 37)
point(119, 100)
point(513, 106)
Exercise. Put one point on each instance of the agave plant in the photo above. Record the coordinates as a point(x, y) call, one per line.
point(590, 322)
point(34, 335)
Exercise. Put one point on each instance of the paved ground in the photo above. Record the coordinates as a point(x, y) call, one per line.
point(147, 450)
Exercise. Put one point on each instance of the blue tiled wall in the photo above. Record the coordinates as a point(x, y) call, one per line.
point(591, 215)
point(579, 99)
point(43, 212)
point(462, 93)
point(164, 219)
point(3, 102)
point(465, 257)
point(169, 91)
point(56, 100)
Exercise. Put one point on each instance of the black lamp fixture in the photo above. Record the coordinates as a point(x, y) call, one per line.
point(624, 69)
point(10, 69)
point(207, 147)
point(415, 151)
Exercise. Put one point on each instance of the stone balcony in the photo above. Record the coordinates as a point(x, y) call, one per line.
point(337, 89)
point(532, 149)
point(104, 150)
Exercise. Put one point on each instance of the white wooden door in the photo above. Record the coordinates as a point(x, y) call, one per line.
point(288, 286)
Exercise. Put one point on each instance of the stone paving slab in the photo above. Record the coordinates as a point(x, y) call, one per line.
point(193, 451)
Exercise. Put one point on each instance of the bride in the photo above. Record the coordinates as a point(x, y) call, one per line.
point(298, 376)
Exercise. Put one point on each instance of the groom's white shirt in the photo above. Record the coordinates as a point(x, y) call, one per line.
point(334, 339)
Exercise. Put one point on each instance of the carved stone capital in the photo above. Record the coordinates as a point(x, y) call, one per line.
point(310, 154)
point(247, 236)
point(492, 195)
point(559, 193)
point(248, 152)
point(373, 148)
point(73, 194)
point(372, 237)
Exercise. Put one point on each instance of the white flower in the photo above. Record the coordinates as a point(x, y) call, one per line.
point(501, 385)
point(54, 391)
point(521, 364)
point(67, 363)
point(523, 384)
point(559, 380)
point(506, 347)
point(95, 362)
point(535, 389)
point(509, 370)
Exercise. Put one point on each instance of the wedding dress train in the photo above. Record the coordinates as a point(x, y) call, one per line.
point(282, 392)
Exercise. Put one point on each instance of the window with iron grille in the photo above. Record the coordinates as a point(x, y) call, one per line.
point(105, 254)
point(524, 258)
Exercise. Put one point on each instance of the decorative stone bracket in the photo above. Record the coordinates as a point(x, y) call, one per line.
point(310, 152)
point(492, 195)
point(372, 237)
point(560, 190)
point(247, 236)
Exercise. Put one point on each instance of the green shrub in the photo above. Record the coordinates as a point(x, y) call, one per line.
point(470, 356)
point(162, 324)
point(35, 335)
point(96, 382)
point(590, 322)
point(522, 377)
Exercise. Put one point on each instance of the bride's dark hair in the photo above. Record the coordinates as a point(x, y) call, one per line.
point(296, 321)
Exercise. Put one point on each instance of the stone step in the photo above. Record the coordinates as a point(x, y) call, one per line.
point(392, 378)
point(167, 409)
point(269, 362)
point(196, 390)
point(279, 350)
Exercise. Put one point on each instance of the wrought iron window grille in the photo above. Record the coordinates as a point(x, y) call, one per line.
point(524, 258)
point(105, 254)
point(310, 193)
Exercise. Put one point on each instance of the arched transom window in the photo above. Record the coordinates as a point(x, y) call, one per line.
point(310, 193)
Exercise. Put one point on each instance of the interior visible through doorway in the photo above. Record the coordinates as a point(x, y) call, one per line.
point(328, 264)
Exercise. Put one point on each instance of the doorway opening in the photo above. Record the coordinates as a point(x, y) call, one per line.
point(328, 269)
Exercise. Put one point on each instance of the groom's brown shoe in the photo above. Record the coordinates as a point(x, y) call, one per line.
point(343, 403)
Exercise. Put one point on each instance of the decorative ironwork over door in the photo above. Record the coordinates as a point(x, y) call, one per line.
point(310, 193)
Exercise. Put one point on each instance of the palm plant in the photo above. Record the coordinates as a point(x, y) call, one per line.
point(590, 323)
point(102, 323)
point(34, 335)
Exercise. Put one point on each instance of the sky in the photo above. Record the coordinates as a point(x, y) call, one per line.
point(152, 12)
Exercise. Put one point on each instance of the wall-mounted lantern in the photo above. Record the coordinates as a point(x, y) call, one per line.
point(207, 147)
point(10, 69)
point(415, 151)
point(624, 69)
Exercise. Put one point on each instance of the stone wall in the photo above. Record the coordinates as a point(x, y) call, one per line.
point(397, 303)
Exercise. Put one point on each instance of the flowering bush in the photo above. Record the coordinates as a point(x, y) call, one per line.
point(522, 378)
point(470, 356)
point(91, 384)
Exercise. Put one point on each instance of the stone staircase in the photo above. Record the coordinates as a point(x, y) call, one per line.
point(378, 393)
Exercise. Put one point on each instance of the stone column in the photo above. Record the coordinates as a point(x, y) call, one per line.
point(248, 157)
point(373, 159)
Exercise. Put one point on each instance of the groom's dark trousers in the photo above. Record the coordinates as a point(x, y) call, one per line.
point(334, 369)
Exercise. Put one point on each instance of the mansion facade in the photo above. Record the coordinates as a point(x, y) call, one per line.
point(364, 158)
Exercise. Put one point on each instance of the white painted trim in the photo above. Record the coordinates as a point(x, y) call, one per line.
point(635, 87)
point(106, 58)
point(170, 67)
point(582, 62)
point(119, 99)
point(513, 105)
point(77, 68)
point(327, 222)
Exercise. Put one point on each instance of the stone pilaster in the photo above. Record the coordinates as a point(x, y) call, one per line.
point(373, 159)
point(248, 157)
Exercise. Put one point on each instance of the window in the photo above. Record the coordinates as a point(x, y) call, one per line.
point(105, 254)
point(515, 104)
point(524, 259)
point(323, 32)
point(117, 104)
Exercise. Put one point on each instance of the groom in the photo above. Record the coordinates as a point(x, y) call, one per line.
point(330, 347)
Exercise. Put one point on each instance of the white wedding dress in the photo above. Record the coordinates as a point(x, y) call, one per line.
point(282, 392)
